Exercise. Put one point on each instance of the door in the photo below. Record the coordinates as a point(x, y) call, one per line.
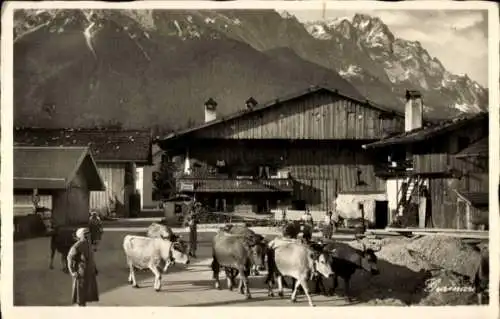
point(381, 214)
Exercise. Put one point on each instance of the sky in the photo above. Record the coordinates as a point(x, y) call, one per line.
point(458, 38)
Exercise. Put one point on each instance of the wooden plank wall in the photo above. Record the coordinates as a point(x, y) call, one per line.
point(316, 116)
point(23, 203)
point(113, 176)
point(318, 171)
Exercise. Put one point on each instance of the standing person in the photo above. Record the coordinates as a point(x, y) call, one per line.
point(327, 233)
point(83, 270)
point(307, 218)
point(192, 223)
point(307, 225)
point(95, 226)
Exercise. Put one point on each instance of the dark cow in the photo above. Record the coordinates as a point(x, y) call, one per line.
point(61, 241)
point(235, 254)
point(294, 228)
point(251, 235)
point(345, 260)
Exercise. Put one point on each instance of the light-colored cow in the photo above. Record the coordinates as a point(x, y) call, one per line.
point(297, 260)
point(157, 230)
point(149, 253)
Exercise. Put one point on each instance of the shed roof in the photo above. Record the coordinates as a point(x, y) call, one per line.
point(477, 149)
point(280, 100)
point(53, 167)
point(476, 199)
point(106, 145)
point(427, 132)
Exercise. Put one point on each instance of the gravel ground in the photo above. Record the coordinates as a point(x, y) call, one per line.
point(401, 281)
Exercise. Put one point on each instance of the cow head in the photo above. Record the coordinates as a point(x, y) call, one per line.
point(369, 259)
point(258, 246)
point(322, 265)
point(178, 252)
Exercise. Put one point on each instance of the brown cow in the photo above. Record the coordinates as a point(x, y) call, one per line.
point(236, 254)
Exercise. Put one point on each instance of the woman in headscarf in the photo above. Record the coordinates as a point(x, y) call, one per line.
point(95, 226)
point(83, 270)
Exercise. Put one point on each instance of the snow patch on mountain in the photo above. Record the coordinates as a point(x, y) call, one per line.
point(285, 14)
point(352, 70)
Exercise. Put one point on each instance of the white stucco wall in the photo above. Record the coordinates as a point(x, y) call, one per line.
point(139, 183)
point(347, 205)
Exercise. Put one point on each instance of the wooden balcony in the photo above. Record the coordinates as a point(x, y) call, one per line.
point(434, 165)
point(394, 169)
point(234, 185)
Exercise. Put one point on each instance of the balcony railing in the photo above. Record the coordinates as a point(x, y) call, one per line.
point(231, 185)
point(394, 168)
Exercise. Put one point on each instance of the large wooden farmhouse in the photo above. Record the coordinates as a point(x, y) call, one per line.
point(440, 171)
point(302, 151)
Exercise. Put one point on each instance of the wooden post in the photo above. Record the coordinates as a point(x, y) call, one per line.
point(362, 208)
point(36, 200)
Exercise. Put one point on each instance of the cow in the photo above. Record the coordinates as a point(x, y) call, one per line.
point(295, 228)
point(236, 254)
point(149, 253)
point(296, 260)
point(61, 241)
point(317, 247)
point(247, 232)
point(344, 261)
point(161, 230)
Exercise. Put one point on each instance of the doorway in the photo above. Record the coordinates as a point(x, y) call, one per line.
point(381, 214)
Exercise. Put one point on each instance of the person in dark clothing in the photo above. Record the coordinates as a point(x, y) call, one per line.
point(83, 270)
point(192, 223)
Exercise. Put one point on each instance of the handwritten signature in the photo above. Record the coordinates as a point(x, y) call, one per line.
point(435, 287)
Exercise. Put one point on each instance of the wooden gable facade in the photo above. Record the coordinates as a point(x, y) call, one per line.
point(440, 161)
point(316, 115)
point(298, 151)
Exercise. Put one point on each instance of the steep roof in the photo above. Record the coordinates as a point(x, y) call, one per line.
point(278, 101)
point(106, 145)
point(477, 149)
point(53, 167)
point(427, 132)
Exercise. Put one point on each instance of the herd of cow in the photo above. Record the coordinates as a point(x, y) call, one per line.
point(240, 252)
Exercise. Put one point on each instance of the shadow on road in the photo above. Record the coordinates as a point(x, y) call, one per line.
point(37, 285)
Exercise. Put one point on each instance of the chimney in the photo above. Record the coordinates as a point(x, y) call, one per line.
point(250, 103)
point(210, 110)
point(413, 110)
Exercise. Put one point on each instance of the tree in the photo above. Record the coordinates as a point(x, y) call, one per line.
point(164, 180)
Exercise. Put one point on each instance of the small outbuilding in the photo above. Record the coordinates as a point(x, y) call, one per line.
point(62, 176)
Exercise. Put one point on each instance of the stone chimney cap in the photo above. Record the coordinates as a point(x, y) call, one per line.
point(413, 94)
point(251, 102)
point(211, 104)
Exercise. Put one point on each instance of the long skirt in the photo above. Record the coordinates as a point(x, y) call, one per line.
point(85, 290)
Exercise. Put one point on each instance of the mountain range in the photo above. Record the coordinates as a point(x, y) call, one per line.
point(156, 68)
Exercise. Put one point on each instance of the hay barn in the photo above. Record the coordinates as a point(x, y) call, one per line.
point(65, 176)
point(117, 153)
